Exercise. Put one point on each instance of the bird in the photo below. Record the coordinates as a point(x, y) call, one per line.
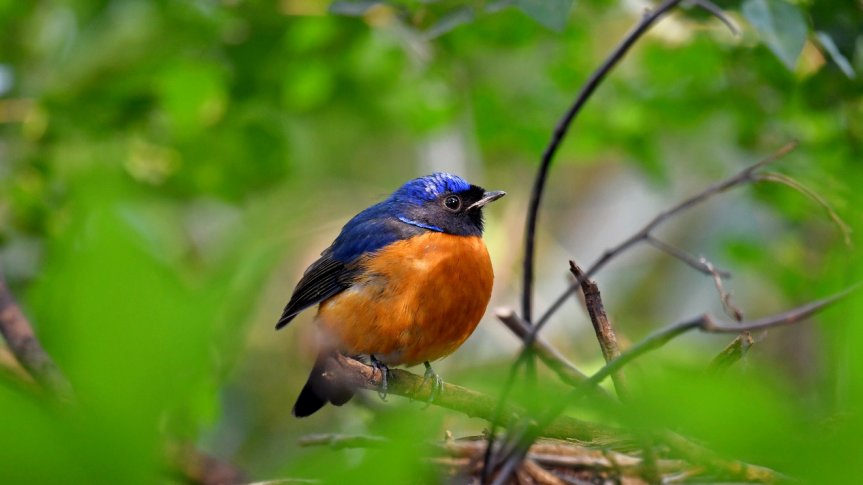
point(405, 282)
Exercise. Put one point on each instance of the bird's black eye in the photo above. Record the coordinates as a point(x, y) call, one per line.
point(452, 203)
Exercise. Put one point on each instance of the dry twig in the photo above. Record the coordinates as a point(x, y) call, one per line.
point(544, 457)
point(732, 310)
point(550, 356)
point(604, 332)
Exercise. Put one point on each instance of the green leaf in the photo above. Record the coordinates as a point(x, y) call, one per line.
point(782, 27)
point(552, 14)
point(830, 47)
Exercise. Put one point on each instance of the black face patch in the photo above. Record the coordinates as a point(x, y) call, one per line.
point(439, 214)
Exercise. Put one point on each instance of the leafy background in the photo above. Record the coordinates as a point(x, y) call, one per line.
point(168, 169)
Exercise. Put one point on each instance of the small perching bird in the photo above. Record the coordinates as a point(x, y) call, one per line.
point(406, 282)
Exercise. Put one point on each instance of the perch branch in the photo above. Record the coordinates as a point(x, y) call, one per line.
point(469, 402)
point(22, 341)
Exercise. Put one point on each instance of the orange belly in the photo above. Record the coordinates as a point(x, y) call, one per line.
point(418, 300)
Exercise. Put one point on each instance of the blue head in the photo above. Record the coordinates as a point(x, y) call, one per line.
point(442, 202)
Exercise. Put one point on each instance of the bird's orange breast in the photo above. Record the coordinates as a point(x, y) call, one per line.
point(416, 300)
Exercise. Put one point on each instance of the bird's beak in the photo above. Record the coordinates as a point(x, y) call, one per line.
point(486, 198)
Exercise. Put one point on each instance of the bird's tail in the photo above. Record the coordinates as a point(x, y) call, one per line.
point(320, 390)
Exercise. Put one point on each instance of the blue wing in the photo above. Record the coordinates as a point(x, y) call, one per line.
point(339, 265)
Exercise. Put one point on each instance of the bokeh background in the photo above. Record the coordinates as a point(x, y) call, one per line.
point(168, 169)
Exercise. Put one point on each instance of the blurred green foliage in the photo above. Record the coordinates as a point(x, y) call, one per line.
point(167, 168)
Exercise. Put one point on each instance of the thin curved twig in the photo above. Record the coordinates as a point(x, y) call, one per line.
point(557, 136)
point(717, 12)
point(697, 264)
point(730, 308)
point(745, 176)
point(783, 179)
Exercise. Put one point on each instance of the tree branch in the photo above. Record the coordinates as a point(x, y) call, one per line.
point(22, 341)
point(553, 454)
point(707, 324)
point(745, 176)
point(471, 403)
point(565, 370)
point(731, 309)
point(522, 440)
point(560, 130)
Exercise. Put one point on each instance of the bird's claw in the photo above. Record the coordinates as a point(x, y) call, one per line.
point(437, 383)
point(385, 373)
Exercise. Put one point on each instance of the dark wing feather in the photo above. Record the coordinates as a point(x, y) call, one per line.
point(324, 278)
point(369, 231)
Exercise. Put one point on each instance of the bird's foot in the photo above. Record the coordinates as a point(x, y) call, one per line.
point(385, 373)
point(436, 383)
